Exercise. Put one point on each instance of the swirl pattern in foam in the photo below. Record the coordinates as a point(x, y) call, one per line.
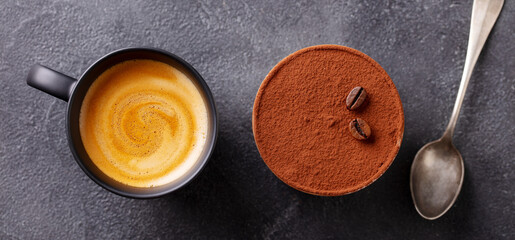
point(143, 123)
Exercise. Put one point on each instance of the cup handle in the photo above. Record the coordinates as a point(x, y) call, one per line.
point(51, 82)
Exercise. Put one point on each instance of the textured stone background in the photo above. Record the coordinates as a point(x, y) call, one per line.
point(233, 44)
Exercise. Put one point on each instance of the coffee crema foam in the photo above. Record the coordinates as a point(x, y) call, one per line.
point(143, 123)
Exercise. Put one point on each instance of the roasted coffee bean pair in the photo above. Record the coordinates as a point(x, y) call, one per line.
point(358, 128)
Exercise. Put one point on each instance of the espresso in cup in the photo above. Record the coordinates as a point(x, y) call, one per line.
point(143, 123)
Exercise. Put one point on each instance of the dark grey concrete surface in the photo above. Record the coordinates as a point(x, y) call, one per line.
point(233, 44)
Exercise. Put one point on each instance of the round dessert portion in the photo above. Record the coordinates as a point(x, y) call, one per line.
point(301, 122)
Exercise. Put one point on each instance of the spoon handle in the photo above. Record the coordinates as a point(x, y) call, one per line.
point(484, 15)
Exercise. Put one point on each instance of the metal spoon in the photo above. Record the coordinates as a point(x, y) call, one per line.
point(437, 171)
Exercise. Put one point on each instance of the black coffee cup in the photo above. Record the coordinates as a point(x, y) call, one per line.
point(74, 90)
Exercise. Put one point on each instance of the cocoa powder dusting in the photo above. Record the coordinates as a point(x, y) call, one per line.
point(300, 120)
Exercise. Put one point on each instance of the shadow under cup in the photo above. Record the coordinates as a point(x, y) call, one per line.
point(79, 93)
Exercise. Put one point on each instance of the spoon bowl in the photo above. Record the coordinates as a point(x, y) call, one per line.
point(436, 179)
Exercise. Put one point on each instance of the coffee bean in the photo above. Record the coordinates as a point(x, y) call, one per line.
point(356, 97)
point(359, 129)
